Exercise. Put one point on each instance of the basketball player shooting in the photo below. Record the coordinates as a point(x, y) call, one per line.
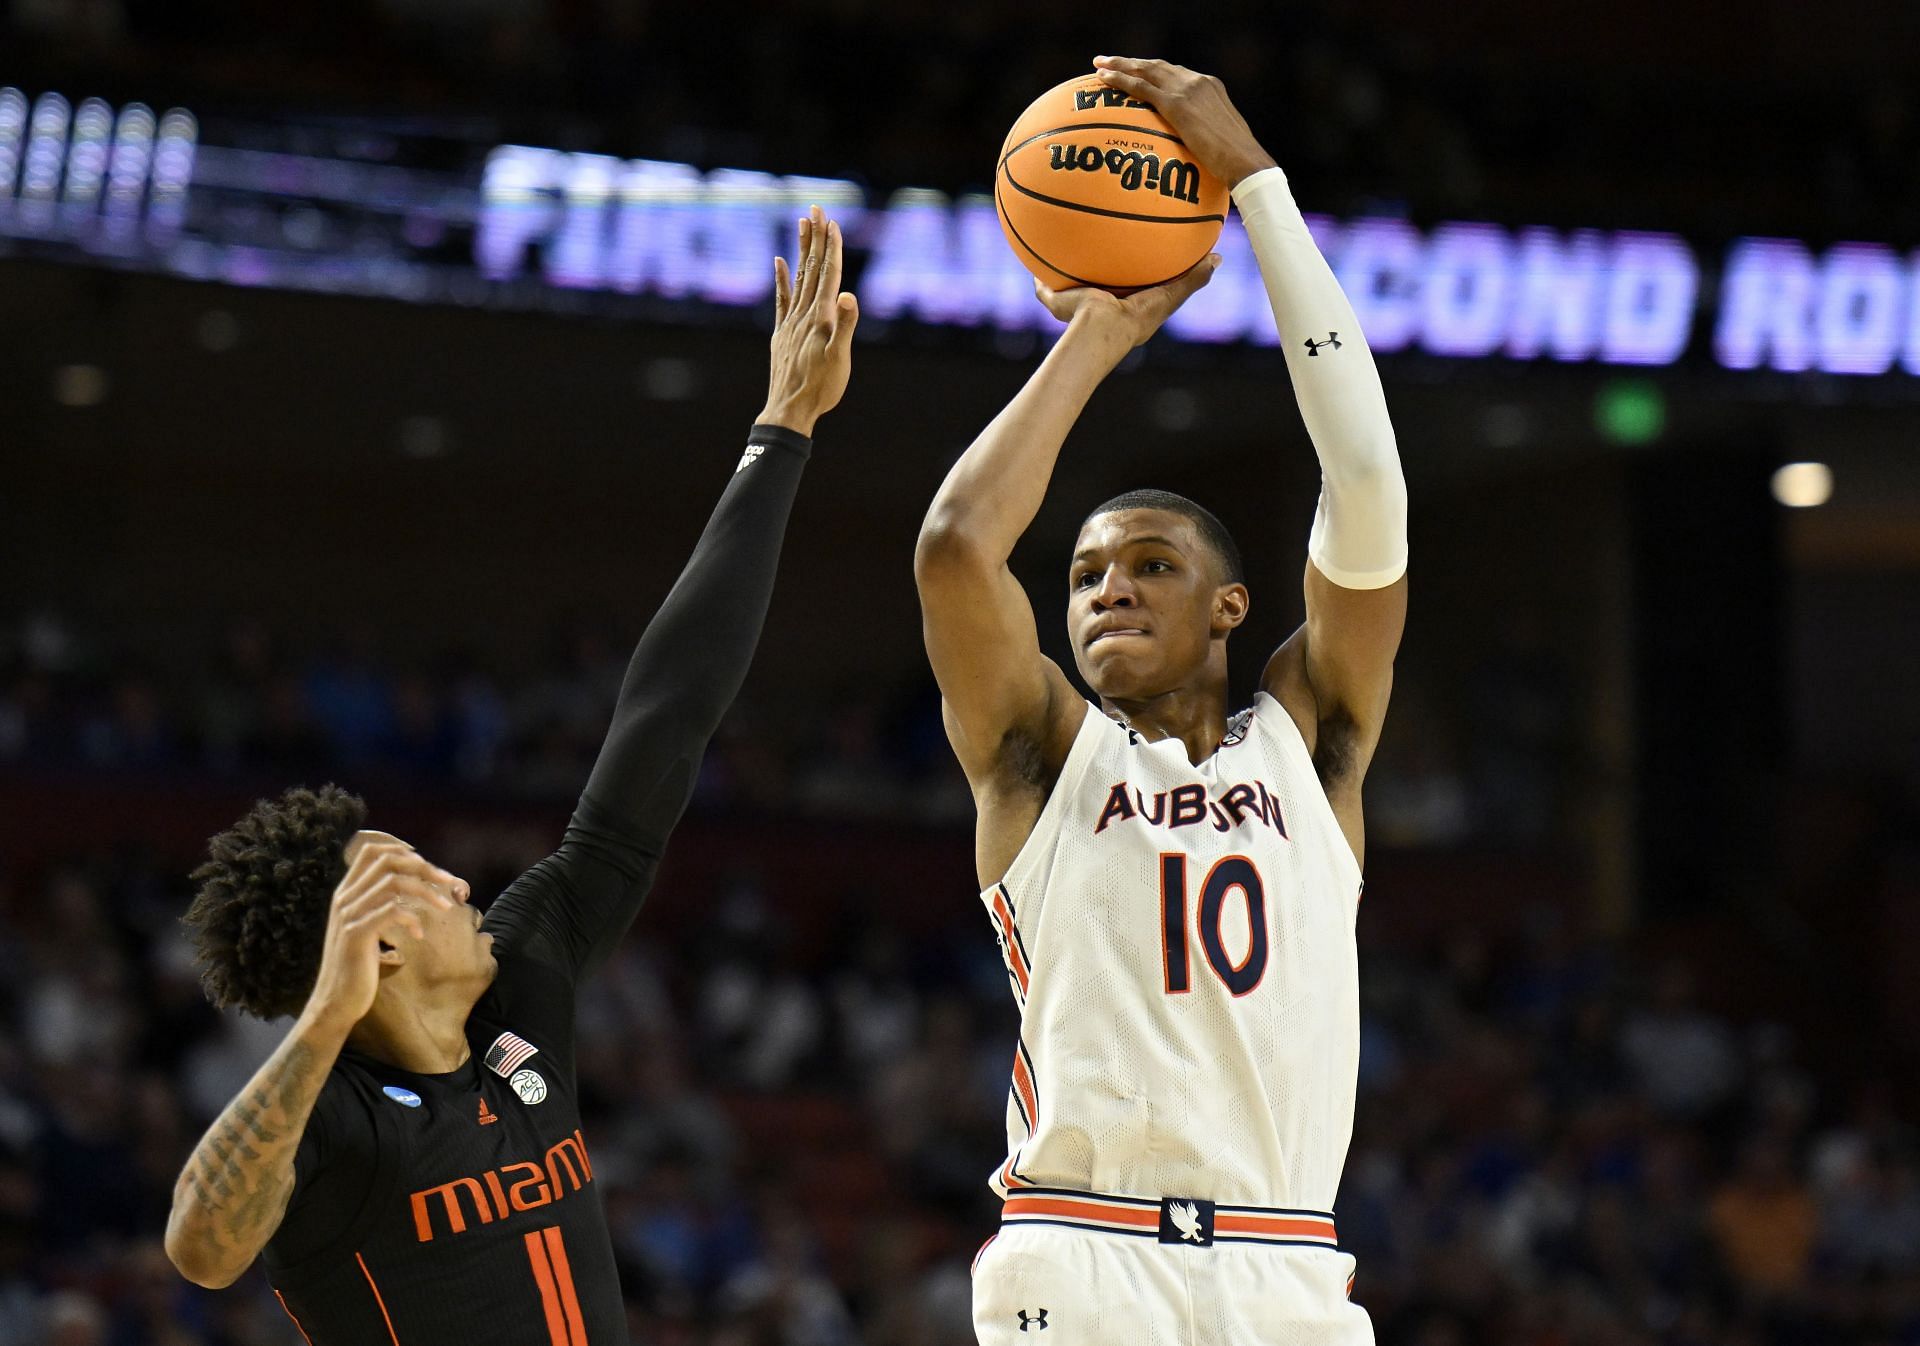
point(410, 1162)
point(1174, 887)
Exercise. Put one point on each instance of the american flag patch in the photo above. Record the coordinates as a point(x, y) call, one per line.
point(508, 1053)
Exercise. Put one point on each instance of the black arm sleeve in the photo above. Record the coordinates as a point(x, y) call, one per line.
point(570, 909)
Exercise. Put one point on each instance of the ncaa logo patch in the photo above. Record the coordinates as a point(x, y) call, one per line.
point(406, 1098)
point(528, 1084)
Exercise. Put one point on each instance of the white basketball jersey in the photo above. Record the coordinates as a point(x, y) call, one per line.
point(1180, 940)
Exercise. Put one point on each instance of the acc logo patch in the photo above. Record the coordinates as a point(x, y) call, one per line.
point(529, 1085)
point(405, 1097)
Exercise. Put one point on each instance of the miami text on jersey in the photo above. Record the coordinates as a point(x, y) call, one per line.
point(503, 1191)
point(1188, 806)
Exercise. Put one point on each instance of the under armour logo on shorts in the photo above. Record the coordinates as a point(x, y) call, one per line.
point(1185, 1220)
point(1036, 1320)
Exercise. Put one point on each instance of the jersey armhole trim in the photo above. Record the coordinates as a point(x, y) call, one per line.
point(1070, 772)
point(1297, 742)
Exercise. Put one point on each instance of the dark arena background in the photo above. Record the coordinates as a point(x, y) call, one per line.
point(366, 368)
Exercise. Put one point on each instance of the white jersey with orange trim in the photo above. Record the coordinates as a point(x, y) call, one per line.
point(1180, 940)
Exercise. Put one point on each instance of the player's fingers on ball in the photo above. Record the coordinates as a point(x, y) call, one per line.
point(1196, 278)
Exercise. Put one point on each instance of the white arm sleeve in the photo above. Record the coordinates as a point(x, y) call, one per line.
point(1359, 538)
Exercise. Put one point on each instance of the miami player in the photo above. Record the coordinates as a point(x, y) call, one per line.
point(409, 1163)
point(1174, 885)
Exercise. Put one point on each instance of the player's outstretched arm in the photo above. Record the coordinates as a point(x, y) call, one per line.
point(233, 1193)
point(570, 909)
point(1000, 692)
point(1336, 673)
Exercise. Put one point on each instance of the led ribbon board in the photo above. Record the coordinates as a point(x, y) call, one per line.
point(353, 207)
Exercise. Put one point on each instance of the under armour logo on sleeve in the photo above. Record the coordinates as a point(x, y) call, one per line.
point(753, 452)
point(1314, 347)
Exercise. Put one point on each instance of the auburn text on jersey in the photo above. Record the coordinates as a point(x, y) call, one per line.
point(1248, 802)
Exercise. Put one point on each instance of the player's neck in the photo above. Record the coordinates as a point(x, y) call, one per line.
point(1197, 716)
point(425, 1037)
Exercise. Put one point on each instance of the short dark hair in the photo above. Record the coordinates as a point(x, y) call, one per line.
point(1211, 530)
point(259, 917)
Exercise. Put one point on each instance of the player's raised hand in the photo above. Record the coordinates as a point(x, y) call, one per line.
point(1133, 317)
point(813, 322)
point(374, 903)
point(1196, 106)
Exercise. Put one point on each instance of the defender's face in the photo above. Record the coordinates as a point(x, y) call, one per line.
point(454, 948)
point(1142, 602)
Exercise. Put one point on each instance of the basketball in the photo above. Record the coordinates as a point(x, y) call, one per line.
point(1094, 188)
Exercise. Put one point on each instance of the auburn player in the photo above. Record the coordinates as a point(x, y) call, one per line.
point(1174, 886)
point(409, 1162)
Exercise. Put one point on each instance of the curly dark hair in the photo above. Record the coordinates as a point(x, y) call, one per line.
point(260, 913)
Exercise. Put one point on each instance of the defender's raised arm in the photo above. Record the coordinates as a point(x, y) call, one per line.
point(569, 909)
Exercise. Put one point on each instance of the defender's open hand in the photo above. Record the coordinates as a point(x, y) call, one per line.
point(812, 330)
point(1196, 106)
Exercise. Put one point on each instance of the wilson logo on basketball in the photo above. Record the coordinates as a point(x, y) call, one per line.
point(1171, 177)
point(504, 1191)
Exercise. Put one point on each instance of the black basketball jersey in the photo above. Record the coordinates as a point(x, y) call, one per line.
point(464, 1208)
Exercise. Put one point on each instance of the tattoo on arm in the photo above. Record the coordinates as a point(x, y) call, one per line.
point(234, 1188)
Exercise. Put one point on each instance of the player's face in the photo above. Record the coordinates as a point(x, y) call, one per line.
point(455, 949)
point(1143, 602)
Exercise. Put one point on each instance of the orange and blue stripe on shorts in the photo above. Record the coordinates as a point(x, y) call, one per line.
point(1170, 1220)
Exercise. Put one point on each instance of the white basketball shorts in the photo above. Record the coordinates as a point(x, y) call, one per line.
point(1080, 1269)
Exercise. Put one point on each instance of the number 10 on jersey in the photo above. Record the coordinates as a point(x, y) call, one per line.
point(1233, 874)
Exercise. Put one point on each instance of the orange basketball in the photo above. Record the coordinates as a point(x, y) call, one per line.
point(1094, 188)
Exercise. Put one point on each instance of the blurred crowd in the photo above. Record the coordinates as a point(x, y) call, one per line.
point(247, 705)
point(1360, 106)
point(1557, 1144)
